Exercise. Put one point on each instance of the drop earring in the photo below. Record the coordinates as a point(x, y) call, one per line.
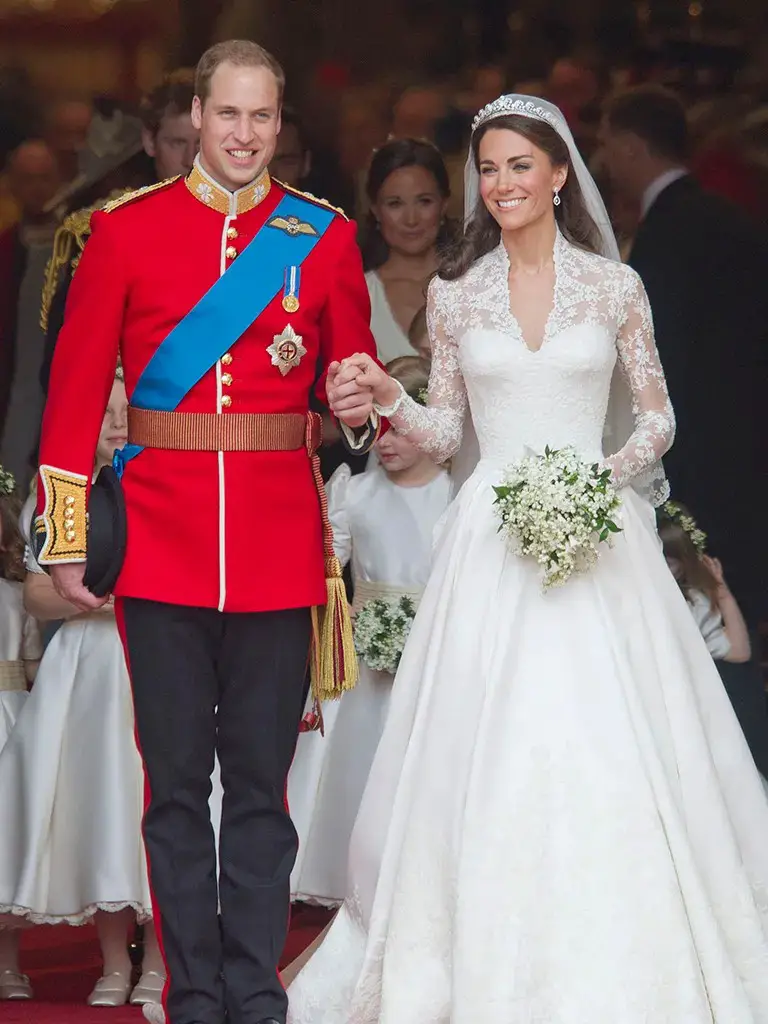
point(556, 198)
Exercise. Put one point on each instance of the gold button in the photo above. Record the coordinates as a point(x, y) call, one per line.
point(226, 379)
point(71, 536)
point(69, 500)
point(232, 234)
point(231, 252)
point(226, 401)
point(226, 359)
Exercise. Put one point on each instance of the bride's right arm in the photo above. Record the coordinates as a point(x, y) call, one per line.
point(437, 427)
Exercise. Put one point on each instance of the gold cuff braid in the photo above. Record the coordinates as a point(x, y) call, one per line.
point(63, 520)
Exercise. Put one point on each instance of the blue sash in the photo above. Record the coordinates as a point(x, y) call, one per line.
point(226, 311)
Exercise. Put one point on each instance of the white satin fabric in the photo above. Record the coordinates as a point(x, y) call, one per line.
point(386, 532)
point(19, 641)
point(71, 786)
point(563, 823)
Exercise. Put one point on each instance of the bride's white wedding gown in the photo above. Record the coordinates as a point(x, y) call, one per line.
point(563, 823)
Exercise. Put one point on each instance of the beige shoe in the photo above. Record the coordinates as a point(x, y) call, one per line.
point(15, 986)
point(154, 1013)
point(149, 989)
point(111, 990)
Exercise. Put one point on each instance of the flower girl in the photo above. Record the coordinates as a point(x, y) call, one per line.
point(383, 521)
point(20, 652)
point(720, 621)
point(71, 785)
point(702, 582)
point(20, 645)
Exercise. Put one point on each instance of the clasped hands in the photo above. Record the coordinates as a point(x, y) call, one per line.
point(353, 387)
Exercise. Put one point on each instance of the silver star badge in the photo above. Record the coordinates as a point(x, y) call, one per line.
point(286, 350)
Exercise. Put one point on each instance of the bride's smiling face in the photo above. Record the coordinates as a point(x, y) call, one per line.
point(517, 179)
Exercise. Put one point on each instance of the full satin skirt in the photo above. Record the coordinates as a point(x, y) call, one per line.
point(563, 823)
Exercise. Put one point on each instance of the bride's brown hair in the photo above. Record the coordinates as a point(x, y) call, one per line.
point(482, 234)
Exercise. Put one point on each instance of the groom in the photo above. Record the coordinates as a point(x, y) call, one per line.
point(228, 297)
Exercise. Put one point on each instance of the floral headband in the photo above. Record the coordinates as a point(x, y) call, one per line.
point(420, 396)
point(7, 483)
point(676, 514)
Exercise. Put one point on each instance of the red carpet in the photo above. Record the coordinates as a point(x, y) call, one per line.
point(63, 964)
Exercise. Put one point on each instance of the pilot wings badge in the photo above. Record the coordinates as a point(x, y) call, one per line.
point(292, 225)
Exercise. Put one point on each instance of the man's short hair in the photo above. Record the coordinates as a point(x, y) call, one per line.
point(654, 114)
point(241, 53)
point(173, 96)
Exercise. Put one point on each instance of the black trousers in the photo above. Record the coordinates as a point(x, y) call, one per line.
point(204, 682)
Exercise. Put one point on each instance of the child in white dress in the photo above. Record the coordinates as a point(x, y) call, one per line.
point(20, 645)
point(20, 653)
point(383, 521)
point(71, 784)
point(718, 616)
point(702, 582)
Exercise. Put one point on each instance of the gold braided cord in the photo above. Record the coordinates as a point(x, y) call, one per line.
point(333, 661)
point(311, 198)
point(68, 244)
point(138, 193)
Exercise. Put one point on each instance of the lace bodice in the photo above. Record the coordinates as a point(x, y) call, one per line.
point(556, 396)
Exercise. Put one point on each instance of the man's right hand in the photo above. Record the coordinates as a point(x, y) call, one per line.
point(68, 581)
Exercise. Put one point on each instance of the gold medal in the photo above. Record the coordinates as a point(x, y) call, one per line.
point(291, 288)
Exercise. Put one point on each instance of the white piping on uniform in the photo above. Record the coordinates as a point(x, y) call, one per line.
point(220, 455)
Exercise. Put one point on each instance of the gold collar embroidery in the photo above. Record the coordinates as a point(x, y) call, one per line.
point(230, 204)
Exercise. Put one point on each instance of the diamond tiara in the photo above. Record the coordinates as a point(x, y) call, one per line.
point(510, 105)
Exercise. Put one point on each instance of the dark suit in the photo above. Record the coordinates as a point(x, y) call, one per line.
point(13, 262)
point(705, 267)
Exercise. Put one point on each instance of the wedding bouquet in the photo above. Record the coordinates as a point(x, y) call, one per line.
point(557, 509)
point(381, 629)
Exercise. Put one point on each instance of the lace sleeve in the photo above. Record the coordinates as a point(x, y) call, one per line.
point(639, 361)
point(436, 428)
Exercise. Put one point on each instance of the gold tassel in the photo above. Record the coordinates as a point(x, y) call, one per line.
point(333, 661)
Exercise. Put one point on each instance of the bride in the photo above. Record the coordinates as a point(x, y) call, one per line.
point(563, 824)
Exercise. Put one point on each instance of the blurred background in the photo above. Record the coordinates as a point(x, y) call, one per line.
point(349, 62)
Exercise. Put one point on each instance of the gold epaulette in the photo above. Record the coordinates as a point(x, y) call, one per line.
point(68, 244)
point(139, 193)
point(311, 198)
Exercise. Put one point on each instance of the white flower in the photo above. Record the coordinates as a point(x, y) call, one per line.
point(557, 509)
point(205, 191)
point(381, 630)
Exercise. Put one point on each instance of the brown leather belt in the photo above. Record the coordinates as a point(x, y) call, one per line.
point(229, 432)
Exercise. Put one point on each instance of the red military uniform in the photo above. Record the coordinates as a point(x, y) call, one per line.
point(237, 531)
point(225, 551)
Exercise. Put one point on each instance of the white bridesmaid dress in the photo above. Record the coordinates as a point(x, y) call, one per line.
point(71, 785)
point(386, 532)
point(391, 340)
point(19, 642)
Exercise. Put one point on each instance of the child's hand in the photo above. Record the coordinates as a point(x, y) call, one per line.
point(715, 567)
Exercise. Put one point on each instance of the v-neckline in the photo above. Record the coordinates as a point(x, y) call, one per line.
point(515, 324)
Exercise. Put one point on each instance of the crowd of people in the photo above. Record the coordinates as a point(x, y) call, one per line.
point(685, 182)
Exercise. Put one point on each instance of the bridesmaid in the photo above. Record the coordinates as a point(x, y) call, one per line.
point(383, 523)
point(71, 789)
point(408, 189)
